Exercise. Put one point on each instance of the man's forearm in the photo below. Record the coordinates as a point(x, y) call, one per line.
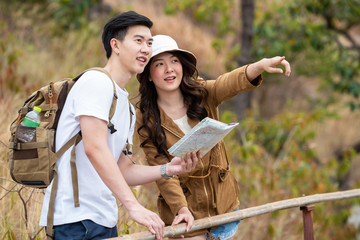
point(141, 174)
point(105, 165)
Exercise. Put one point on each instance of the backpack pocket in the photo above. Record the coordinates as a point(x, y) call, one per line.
point(32, 162)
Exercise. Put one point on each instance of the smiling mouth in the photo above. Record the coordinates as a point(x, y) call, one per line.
point(169, 78)
point(141, 59)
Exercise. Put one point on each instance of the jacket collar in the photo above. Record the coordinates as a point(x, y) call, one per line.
point(169, 125)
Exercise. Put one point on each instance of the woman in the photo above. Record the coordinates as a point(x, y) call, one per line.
point(173, 100)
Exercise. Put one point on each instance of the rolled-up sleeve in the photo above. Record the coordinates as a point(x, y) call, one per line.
point(230, 84)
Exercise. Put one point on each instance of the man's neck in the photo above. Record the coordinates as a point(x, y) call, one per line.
point(118, 74)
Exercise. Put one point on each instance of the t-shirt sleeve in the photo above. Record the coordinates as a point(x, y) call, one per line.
point(94, 95)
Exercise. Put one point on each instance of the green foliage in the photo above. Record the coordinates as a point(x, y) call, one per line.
point(210, 12)
point(273, 160)
point(317, 34)
point(71, 14)
point(126, 230)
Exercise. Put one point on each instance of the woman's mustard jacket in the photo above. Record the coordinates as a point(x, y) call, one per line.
point(210, 189)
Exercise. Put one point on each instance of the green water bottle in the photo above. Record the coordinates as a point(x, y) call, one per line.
point(32, 118)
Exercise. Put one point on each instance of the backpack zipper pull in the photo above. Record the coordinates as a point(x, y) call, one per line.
point(51, 86)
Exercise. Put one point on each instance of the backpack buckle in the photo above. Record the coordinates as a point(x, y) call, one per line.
point(112, 128)
point(15, 145)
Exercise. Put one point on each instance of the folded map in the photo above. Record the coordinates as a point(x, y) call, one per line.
point(204, 136)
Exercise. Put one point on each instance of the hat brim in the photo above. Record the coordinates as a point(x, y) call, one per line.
point(189, 54)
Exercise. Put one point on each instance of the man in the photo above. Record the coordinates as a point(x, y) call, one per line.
point(104, 170)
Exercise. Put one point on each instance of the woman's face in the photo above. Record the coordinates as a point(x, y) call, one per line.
point(166, 72)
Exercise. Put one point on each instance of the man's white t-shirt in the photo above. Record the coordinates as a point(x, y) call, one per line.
point(91, 96)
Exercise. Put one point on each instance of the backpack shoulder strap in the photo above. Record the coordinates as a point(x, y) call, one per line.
point(127, 148)
point(115, 97)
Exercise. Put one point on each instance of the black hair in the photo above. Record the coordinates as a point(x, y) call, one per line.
point(118, 26)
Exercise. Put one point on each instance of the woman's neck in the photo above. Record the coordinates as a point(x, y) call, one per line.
point(173, 104)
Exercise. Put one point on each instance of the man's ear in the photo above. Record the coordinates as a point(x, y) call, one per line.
point(114, 43)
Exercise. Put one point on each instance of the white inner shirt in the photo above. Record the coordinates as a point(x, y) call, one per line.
point(183, 124)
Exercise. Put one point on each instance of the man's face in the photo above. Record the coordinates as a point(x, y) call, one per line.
point(135, 50)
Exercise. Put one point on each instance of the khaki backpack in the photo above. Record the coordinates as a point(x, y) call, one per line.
point(34, 163)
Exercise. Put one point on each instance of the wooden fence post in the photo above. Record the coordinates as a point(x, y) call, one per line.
point(308, 221)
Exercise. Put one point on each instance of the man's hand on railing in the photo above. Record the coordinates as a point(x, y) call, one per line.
point(149, 219)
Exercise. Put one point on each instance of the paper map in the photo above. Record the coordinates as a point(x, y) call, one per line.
point(204, 136)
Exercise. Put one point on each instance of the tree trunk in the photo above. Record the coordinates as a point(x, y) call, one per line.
point(241, 102)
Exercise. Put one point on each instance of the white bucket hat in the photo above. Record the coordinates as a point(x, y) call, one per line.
point(163, 43)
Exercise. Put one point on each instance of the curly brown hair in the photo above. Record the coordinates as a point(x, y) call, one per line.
point(193, 92)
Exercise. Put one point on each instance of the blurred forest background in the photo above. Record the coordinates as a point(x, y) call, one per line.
point(297, 136)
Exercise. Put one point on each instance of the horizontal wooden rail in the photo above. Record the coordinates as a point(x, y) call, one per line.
point(247, 213)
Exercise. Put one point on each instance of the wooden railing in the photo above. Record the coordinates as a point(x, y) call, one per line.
point(305, 204)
